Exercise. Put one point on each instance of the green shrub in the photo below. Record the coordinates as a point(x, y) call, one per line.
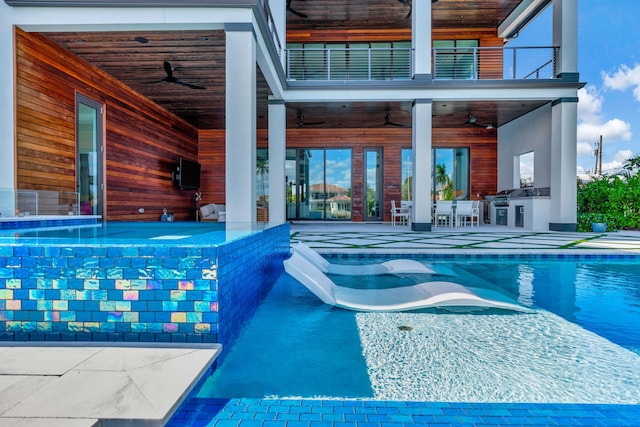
point(611, 199)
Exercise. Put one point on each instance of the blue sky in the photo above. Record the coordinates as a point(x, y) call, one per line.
point(609, 62)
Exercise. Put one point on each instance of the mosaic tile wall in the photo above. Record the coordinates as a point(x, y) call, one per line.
point(8, 224)
point(136, 293)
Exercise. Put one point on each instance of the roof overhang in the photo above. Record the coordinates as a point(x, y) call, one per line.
point(524, 13)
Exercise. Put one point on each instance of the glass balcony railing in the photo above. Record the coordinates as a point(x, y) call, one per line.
point(20, 203)
point(362, 64)
point(349, 64)
point(494, 63)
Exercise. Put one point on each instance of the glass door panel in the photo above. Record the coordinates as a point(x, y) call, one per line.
point(311, 186)
point(373, 183)
point(89, 155)
point(407, 175)
point(318, 184)
point(338, 183)
point(292, 183)
point(450, 174)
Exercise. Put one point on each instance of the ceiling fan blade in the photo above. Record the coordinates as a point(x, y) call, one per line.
point(388, 122)
point(407, 3)
point(190, 85)
point(295, 12)
point(168, 69)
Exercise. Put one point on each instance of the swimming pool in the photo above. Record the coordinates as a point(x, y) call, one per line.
point(581, 345)
point(183, 233)
point(136, 282)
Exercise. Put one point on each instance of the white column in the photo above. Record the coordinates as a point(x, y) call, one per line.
point(421, 140)
point(277, 157)
point(240, 123)
point(565, 35)
point(421, 38)
point(7, 126)
point(564, 119)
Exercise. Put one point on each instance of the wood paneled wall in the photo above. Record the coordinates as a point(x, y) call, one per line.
point(143, 141)
point(212, 158)
point(481, 143)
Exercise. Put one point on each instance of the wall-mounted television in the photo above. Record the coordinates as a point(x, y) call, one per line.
point(187, 174)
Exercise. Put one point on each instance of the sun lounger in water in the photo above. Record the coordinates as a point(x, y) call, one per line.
point(423, 295)
point(395, 266)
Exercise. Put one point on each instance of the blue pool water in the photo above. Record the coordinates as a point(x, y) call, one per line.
point(134, 232)
point(581, 345)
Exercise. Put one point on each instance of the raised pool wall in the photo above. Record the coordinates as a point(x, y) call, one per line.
point(153, 292)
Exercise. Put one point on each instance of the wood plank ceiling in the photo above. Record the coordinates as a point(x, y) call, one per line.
point(196, 60)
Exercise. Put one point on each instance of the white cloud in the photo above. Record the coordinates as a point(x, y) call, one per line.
point(590, 104)
point(585, 149)
point(623, 79)
point(591, 124)
point(613, 130)
point(619, 159)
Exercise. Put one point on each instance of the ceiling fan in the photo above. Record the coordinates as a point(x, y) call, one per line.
point(170, 78)
point(408, 3)
point(302, 123)
point(295, 12)
point(473, 120)
point(388, 122)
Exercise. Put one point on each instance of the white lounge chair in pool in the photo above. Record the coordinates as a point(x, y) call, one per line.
point(422, 295)
point(395, 266)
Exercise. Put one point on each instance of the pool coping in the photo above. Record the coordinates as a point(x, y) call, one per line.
point(51, 384)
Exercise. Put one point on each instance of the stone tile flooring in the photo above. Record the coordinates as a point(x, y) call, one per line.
point(383, 238)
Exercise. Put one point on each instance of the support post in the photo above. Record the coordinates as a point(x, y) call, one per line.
point(240, 123)
point(421, 144)
point(421, 39)
point(277, 157)
point(563, 191)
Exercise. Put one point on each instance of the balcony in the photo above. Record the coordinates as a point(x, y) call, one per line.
point(356, 64)
point(373, 64)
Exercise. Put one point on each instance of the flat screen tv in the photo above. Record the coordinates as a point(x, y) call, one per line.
point(188, 175)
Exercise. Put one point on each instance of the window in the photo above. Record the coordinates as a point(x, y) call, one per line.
point(262, 177)
point(455, 59)
point(523, 170)
point(89, 155)
point(407, 174)
point(450, 174)
point(318, 183)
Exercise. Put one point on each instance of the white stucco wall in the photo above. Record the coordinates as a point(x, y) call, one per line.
point(531, 132)
point(7, 147)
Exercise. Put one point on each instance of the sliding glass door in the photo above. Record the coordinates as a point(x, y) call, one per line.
point(450, 174)
point(373, 184)
point(318, 183)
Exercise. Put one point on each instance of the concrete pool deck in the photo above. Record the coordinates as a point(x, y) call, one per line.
point(383, 238)
point(97, 384)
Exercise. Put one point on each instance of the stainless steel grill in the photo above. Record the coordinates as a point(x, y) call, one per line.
point(502, 198)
